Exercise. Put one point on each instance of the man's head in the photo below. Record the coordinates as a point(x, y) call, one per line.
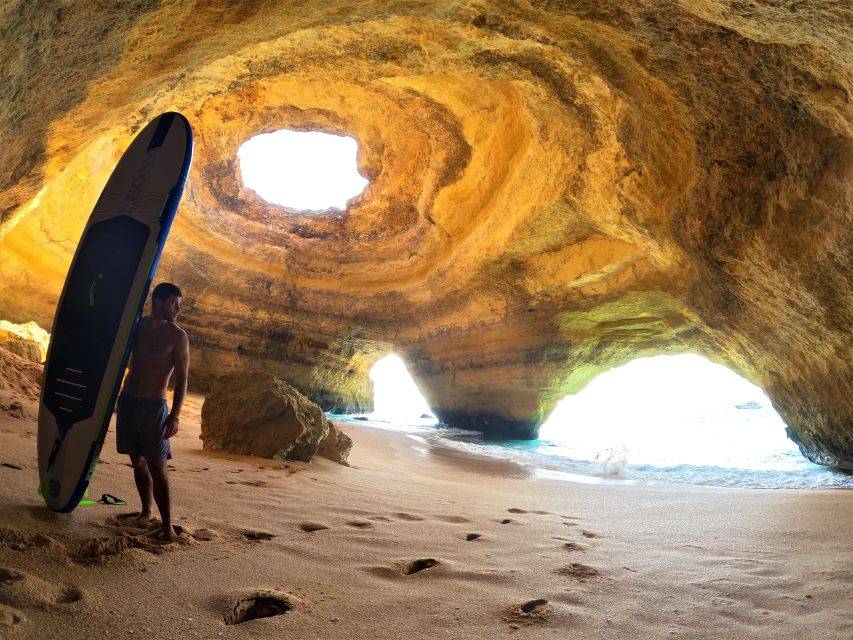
point(166, 301)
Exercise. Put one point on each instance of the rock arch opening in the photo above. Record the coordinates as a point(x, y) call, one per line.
point(302, 170)
point(396, 397)
point(667, 411)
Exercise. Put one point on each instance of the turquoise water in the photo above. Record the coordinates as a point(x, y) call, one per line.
point(705, 452)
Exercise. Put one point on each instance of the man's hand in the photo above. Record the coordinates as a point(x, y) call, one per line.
point(171, 424)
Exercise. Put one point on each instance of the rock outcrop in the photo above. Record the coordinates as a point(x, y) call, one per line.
point(555, 188)
point(20, 378)
point(23, 349)
point(254, 413)
point(28, 340)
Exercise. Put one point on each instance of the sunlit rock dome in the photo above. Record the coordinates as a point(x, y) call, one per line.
point(554, 189)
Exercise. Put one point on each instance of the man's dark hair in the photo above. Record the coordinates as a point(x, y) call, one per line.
point(165, 289)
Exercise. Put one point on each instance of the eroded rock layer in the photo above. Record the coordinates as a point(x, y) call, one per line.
point(555, 188)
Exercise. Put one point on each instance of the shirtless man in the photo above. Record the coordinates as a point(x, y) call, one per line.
point(144, 423)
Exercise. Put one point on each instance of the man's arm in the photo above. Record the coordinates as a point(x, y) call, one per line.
point(182, 366)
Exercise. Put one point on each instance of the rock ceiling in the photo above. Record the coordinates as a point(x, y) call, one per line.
point(555, 188)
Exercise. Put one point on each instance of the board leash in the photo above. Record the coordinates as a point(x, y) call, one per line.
point(106, 498)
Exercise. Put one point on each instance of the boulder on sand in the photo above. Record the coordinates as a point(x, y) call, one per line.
point(335, 446)
point(255, 413)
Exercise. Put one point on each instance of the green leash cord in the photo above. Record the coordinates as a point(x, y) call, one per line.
point(107, 498)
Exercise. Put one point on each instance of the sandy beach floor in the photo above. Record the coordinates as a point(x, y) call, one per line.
point(413, 542)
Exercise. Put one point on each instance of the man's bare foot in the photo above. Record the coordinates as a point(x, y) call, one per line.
point(166, 534)
point(135, 519)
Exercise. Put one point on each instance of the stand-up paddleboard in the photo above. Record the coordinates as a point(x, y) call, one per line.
point(100, 305)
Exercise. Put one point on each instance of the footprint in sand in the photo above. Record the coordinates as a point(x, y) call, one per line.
point(11, 465)
point(416, 566)
point(379, 518)
point(19, 589)
point(248, 483)
point(405, 568)
point(19, 540)
point(578, 571)
point(70, 596)
point(532, 606)
point(258, 604)
point(505, 521)
point(359, 524)
point(538, 513)
point(205, 535)
point(257, 536)
point(473, 536)
point(309, 527)
point(408, 517)
point(573, 546)
point(10, 617)
point(101, 550)
point(453, 519)
point(526, 613)
point(131, 540)
point(589, 534)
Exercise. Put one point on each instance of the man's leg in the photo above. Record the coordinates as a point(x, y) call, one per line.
point(127, 441)
point(144, 485)
point(162, 496)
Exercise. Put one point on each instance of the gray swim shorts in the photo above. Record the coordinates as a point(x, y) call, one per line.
point(140, 429)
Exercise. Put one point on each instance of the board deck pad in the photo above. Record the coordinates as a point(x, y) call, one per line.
point(100, 305)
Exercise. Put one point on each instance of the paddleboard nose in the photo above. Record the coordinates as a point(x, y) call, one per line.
point(152, 165)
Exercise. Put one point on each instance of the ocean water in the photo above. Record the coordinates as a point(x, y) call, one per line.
point(731, 447)
point(668, 418)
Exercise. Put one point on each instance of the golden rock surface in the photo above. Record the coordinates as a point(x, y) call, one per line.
point(555, 188)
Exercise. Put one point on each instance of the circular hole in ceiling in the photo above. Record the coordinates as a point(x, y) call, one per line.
point(305, 171)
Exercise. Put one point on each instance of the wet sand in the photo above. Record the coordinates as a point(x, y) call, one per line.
point(414, 542)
